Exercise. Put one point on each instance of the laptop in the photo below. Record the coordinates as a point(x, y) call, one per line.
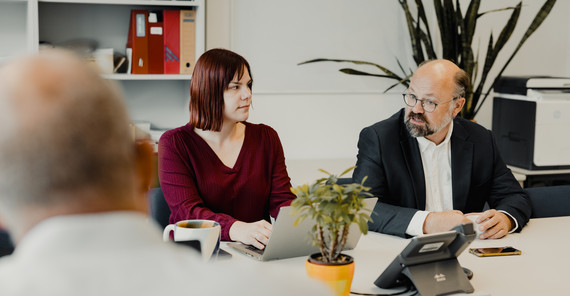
point(289, 241)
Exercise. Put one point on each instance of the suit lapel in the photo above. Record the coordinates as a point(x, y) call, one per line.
point(461, 164)
point(411, 152)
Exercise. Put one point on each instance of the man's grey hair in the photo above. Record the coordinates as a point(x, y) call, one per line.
point(64, 134)
point(462, 83)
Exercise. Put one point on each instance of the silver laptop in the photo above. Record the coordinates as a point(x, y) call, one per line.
point(289, 241)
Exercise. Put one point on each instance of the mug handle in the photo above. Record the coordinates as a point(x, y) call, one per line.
point(167, 230)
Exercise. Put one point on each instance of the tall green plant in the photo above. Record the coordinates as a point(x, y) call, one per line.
point(456, 39)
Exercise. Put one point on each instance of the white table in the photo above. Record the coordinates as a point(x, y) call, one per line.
point(542, 269)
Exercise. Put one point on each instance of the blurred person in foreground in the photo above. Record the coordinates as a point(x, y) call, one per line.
point(74, 186)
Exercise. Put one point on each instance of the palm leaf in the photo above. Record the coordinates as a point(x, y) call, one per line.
point(406, 84)
point(383, 69)
point(357, 72)
point(400, 65)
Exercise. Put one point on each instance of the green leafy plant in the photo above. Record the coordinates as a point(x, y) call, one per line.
point(456, 38)
point(334, 208)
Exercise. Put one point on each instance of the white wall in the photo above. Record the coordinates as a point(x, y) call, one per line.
point(319, 111)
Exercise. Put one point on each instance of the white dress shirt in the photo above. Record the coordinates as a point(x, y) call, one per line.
point(436, 161)
point(122, 253)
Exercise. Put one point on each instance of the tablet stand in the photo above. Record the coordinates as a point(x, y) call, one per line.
point(438, 278)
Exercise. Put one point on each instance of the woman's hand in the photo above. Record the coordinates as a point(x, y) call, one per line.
point(256, 233)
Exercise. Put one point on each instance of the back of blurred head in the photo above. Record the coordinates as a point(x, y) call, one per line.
point(65, 142)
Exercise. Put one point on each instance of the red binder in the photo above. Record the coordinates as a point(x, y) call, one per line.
point(171, 26)
point(138, 40)
point(155, 45)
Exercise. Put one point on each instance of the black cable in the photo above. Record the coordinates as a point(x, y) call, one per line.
point(408, 289)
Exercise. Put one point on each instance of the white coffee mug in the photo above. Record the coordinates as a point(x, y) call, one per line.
point(473, 217)
point(206, 232)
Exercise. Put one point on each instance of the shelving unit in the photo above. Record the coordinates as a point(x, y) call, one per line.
point(15, 28)
point(161, 100)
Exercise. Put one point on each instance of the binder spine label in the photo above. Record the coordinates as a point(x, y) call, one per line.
point(141, 30)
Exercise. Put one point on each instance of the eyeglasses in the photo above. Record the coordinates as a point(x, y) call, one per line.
point(427, 105)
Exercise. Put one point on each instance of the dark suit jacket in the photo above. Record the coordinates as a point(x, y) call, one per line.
point(391, 159)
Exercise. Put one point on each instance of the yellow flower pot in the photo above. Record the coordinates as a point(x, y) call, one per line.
point(338, 276)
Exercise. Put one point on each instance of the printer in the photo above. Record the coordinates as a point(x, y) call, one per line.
point(531, 122)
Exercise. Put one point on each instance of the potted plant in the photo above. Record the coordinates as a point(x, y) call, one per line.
point(456, 31)
point(333, 207)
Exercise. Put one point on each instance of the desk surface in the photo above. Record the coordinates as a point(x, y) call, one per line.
point(542, 269)
point(537, 172)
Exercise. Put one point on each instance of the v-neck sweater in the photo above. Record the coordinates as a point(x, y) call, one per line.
point(198, 185)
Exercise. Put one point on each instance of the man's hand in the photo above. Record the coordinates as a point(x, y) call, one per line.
point(443, 221)
point(494, 224)
point(256, 233)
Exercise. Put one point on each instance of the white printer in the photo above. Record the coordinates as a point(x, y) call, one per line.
point(531, 122)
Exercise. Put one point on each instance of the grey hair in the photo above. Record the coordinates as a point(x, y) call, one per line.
point(64, 131)
point(462, 83)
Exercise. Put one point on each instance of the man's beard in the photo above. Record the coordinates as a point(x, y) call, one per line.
point(427, 129)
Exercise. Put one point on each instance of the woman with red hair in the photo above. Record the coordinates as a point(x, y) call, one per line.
point(219, 166)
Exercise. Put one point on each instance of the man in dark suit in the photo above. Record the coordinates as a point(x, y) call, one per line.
point(429, 167)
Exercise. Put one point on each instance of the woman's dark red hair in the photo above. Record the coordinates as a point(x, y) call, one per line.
point(212, 74)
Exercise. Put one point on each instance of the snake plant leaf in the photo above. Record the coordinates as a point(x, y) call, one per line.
point(423, 18)
point(536, 22)
point(495, 10)
point(493, 51)
point(449, 38)
point(417, 54)
point(438, 7)
point(483, 74)
point(427, 46)
point(507, 30)
point(418, 40)
point(467, 27)
point(461, 36)
point(470, 20)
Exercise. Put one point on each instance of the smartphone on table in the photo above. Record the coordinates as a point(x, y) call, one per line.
point(496, 251)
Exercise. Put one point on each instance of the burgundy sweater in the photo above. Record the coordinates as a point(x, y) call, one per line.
point(197, 185)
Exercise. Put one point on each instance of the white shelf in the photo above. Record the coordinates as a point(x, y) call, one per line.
point(160, 99)
point(147, 77)
point(126, 2)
